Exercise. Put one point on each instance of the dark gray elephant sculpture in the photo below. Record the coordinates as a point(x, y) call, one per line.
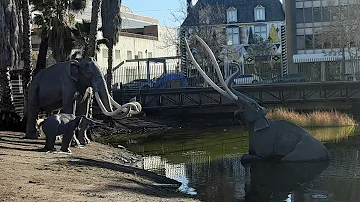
point(66, 125)
point(68, 86)
point(278, 140)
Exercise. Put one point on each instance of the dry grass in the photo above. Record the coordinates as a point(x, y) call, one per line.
point(313, 119)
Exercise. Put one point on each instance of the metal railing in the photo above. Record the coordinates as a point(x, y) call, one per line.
point(137, 77)
point(18, 96)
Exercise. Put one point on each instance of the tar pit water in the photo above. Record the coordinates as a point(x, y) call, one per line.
point(207, 163)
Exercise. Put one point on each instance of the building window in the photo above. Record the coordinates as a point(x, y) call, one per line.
point(105, 53)
point(318, 43)
point(149, 55)
point(259, 12)
point(325, 14)
point(244, 33)
point(231, 15)
point(309, 42)
point(261, 30)
point(308, 15)
point(299, 15)
point(117, 54)
point(300, 42)
point(317, 14)
point(232, 34)
point(140, 55)
point(129, 55)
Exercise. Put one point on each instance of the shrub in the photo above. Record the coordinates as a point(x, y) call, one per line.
point(313, 119)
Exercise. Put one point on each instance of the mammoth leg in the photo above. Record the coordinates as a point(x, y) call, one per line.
point(308, 149)
point(50, 142)
point(31, 123)
point(65, 144)
point(248, 158)
point(76, 140)
point(82, 108)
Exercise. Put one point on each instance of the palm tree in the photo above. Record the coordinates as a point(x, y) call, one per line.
point(43, 22)
point(57, 25)
point(81, 34)
point(111, 27)
point(93, 27)
point(10, 46)
point(27, 70)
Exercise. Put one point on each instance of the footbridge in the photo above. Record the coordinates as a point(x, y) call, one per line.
point(309, 95)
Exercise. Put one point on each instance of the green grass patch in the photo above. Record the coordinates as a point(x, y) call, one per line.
point(313, 119)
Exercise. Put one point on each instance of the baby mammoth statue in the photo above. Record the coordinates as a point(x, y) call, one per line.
point(63, 124)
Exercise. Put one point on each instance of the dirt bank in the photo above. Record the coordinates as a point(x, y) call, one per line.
point(95, 173)
point(143, 124)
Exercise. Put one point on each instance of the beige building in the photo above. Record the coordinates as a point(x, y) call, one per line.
point(141, 37)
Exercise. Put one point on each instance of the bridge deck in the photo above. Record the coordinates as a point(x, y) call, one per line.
point(264, 94)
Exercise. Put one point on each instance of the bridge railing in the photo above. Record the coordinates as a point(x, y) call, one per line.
point(139, 77)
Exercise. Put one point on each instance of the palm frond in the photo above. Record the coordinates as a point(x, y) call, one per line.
point(77, 5)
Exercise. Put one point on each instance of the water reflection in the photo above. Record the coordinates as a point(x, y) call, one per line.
point(277, 181)
point(208, 164)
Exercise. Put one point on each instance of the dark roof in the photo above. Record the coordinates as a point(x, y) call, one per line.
point(245, 9)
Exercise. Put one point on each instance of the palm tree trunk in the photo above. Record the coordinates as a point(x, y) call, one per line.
point(10, 47)
point(109, 69)
point(92, 39)
point(93, 27)
point(27, 70)
point(41, 60)
point(6, 104)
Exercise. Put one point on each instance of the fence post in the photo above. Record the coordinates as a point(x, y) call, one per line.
point(148, 69)
point(165, 68)
point(121, 94)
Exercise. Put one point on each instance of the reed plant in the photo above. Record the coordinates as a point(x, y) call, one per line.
point(313, 119)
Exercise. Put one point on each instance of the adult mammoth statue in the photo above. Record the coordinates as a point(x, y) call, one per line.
point(68, 86)
point(278, 140)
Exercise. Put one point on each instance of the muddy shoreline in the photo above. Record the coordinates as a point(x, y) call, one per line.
point(144, 124)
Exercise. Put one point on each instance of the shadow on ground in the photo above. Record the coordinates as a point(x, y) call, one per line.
point(143, 188)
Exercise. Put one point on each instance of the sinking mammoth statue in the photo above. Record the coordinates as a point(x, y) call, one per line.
point(68, 86)
point(278, 140)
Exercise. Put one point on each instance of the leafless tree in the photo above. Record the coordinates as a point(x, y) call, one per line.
point(261, 51)
point(206, 20)
point(343, 31)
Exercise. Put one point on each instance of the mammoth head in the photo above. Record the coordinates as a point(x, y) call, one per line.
point(87, 73)
point(250, 110)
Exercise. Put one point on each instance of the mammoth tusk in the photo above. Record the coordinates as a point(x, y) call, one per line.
point(203, 74)
point(231, 78)
point(102, 107)
point(217, 68)
point(138, 106)
point(237, 93)
point(125, 114)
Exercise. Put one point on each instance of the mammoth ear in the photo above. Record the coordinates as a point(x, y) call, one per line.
point(261, 123)
point(74, 72)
